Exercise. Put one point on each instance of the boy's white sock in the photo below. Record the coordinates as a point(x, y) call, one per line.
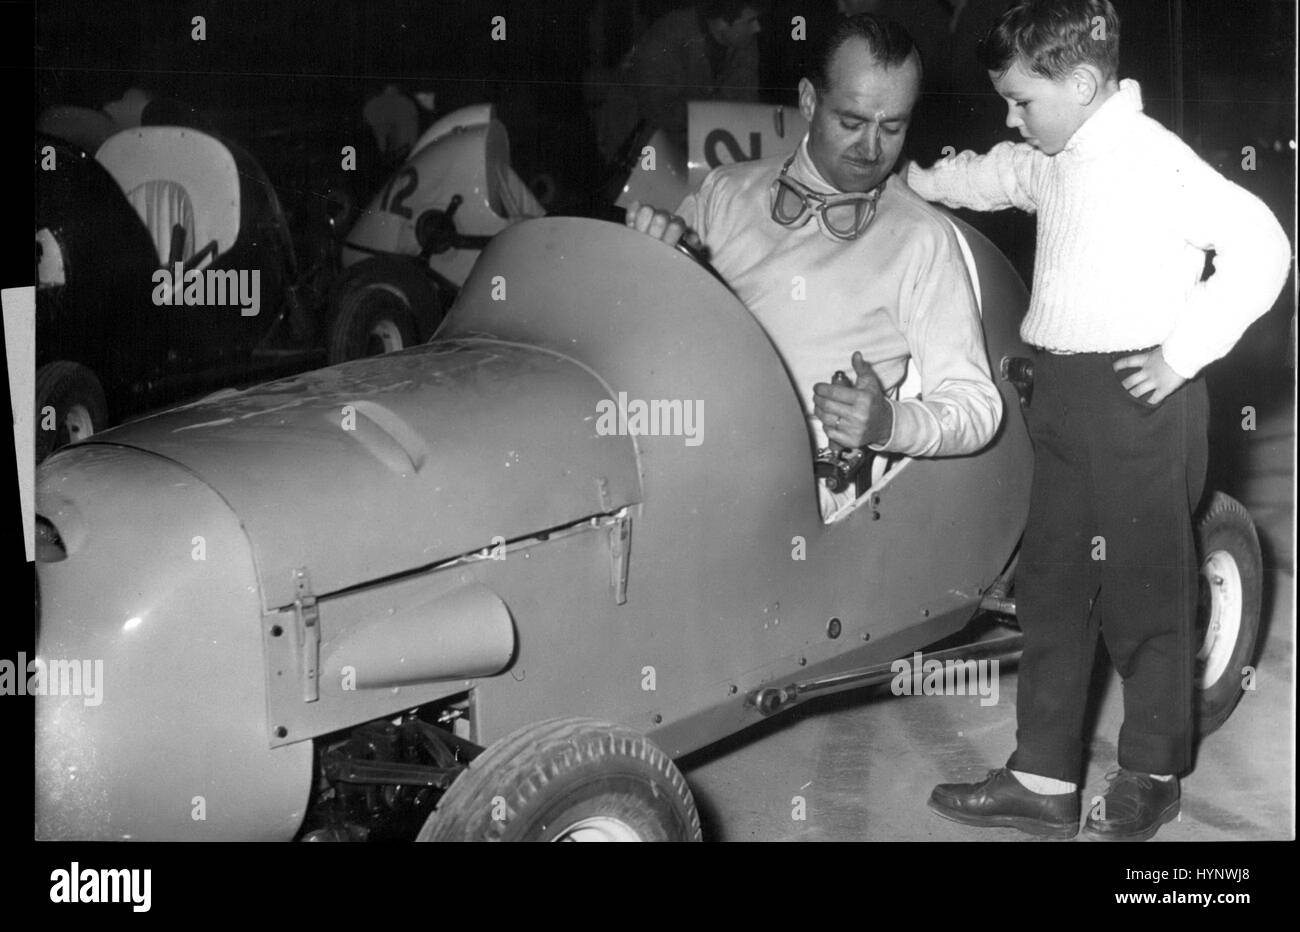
point(1045, 786)
point(1162, 777)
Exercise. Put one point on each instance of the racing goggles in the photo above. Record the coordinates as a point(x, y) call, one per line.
point(844, 215)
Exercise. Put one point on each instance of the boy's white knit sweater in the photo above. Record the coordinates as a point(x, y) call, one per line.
point(1126, 212)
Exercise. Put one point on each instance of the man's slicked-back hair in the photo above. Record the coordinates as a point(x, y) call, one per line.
point(1050, 38)
point(889, 43)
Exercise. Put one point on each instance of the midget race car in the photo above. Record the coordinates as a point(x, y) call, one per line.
point(129, 239)
point(183, 201)
point(409, 252)
point(491, 586)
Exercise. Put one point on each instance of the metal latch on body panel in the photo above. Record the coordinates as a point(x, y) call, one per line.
point(620, 544)
point(1019, 371)
point(307, 630)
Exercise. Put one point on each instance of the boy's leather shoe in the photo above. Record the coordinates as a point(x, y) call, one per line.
point(1134, 807)
point(1002, 801)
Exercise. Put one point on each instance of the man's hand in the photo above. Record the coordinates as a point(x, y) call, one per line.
point(855, 415)
point(660, 224)
point(1152, 375)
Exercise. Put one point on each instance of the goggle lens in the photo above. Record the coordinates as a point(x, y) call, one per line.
point(846, 220)
point(844, 216)
point(789, 206)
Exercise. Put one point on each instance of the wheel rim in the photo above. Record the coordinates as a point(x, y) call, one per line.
point(1221, 597)
point(599, 828)
point(384, 337)
point(79, 423)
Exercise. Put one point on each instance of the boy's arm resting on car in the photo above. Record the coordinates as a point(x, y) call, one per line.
point(1252, 257)
point(1004, 177)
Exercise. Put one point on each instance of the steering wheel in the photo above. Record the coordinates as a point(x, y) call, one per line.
point(700, 255)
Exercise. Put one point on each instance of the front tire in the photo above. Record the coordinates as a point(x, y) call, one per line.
point(568, 779)
point(373, 318)
point(77, 400)
point(1231, 589)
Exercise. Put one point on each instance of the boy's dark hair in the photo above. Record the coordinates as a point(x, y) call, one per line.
point(730, 10)
point(1052, 37)
point(888, 42)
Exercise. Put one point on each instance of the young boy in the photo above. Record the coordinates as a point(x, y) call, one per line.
point(1121, 322)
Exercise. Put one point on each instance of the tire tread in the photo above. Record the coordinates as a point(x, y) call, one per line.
point(549, 748)
point(1223, 514)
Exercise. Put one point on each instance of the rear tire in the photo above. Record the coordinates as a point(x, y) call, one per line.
point(568, 779)
point(1231, 590)
point(77, 398)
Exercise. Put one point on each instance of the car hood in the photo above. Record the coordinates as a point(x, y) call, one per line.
point(385, 465)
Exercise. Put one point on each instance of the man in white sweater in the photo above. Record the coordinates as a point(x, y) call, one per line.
point(1123, 322)
point(846, 269)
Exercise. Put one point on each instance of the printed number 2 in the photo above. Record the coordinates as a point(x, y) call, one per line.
point(729, 143)
point(410, 182)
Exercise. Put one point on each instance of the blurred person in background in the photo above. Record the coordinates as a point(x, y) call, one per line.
point(704, 52)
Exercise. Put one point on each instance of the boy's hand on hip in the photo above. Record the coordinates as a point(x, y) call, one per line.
point(1151, 374)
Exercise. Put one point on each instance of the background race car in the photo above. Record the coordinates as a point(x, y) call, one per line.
point(165, 268)
point(410, 251)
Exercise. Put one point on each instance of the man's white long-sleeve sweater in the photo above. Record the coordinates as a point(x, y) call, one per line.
point(1126, 213)
point(898, 292)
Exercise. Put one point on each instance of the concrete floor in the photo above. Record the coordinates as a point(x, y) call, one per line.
point(864, 762)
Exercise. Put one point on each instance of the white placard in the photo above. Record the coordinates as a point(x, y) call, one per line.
point(20, 348)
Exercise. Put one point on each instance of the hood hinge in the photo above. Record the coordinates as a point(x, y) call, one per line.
point(620, 543)
point(307, 630)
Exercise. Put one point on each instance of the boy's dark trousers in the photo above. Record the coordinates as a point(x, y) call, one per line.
point(1108, 546)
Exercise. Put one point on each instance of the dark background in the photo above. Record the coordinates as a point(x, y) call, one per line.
point(279, 67)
